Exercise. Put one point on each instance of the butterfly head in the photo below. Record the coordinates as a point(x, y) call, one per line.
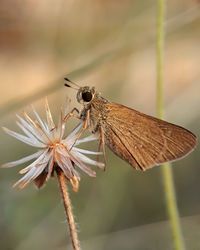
point(85, 95)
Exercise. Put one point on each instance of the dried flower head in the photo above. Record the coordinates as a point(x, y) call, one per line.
point(55, 150)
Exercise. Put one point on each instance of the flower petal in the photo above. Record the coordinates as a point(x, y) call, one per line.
point(30, 126)
point(35, 163)
point(65, 165)
point(82, 166)
point(87, 152)
point(31, 136)
point(31, 175)
point(60, 128)
point(87, 160)
point(34, 171)
point(50, 122)
point(92, 137)
point(20, 137)
point(42, 124)
point(22, 160)
point(71, 138)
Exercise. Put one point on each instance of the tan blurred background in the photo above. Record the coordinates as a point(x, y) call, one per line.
point(110, 45)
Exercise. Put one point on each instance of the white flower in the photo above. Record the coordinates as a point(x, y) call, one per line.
point(54, 150)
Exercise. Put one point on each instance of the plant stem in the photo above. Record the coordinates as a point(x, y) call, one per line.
point(172, 209)
point(68, 210)
point(167, 174)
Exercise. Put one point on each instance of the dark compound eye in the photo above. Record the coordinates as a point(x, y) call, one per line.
point(87, 96)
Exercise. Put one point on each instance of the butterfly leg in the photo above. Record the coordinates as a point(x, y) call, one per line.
point(101, 146)
point(73, 113)
point(84, 127)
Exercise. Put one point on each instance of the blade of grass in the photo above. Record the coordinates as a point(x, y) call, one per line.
point(167, 174)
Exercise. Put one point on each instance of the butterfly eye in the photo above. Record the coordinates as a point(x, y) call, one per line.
point(87, 96)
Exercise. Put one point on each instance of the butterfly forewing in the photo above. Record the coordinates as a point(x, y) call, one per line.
point(142, 140)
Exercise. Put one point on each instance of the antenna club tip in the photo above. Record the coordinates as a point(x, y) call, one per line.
point(75, 86)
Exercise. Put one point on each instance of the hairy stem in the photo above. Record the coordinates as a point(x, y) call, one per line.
point(167, 174)
point(68, 210)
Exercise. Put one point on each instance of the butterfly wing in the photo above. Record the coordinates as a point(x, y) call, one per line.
point(142, 140)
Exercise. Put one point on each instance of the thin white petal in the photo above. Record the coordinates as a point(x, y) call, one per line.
point(82, 166)
point(26, 131)
point(62, 150)
point(31, 136)
point(71, 138)
point(66, 166)
point(87, 159)
point(31, 175)
point(67, 161)
point(31, 128)
point(41, 127)
point(22, 160)
point(50, 122)
point(34, 171)
point(39, 160)
point(84, 151)
point(92, 137)
point(62, 125)
point(60, 129)
point(78, 159)
point(42, 124)
point(20, 137)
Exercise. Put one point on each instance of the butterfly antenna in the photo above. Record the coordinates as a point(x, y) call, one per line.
point(74, 85)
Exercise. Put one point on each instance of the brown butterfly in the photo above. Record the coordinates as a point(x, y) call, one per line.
point(141, 140)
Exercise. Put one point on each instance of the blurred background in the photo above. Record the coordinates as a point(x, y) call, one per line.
point(109, 45)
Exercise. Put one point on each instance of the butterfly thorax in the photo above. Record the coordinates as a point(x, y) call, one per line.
point(97, 112)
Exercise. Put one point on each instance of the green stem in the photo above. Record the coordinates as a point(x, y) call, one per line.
point(167, 174)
